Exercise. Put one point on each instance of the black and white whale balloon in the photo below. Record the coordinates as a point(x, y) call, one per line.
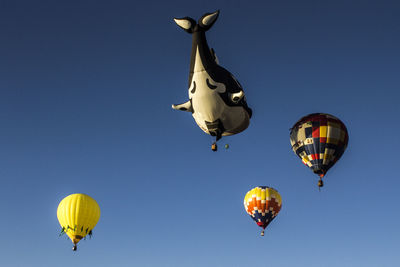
point(216, 99)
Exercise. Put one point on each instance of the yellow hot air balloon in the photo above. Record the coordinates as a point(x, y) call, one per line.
point(78, 214)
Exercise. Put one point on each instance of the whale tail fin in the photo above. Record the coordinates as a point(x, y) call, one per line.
point(207, 20)
point(204, 23)
point(186, 23)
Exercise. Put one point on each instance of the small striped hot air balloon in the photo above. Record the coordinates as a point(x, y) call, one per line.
point(262, 203)
point(319, 140)
point(78, 214)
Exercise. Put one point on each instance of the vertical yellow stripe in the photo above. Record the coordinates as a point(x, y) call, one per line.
point(322, 131)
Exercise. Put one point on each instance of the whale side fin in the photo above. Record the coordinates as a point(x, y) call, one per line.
point(187, 106)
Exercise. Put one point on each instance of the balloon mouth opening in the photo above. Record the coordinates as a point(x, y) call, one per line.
point(76, 238)
point(320, 173)
point(261, 224)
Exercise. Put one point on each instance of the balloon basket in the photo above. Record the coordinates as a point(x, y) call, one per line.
point(214, 147)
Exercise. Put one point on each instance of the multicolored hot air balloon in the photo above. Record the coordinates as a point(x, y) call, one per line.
point(262, 203)
point(78, 214)
point(319, 140)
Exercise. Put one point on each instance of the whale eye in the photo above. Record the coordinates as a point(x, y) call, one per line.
point(194, 88)
point(210, 85)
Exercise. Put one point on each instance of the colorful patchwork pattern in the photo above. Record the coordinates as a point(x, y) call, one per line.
point(262, 204)
point(319, 140)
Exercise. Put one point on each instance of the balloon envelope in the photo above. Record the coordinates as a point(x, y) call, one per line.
point(262, 203)
point(78, 214)
point(216, 99)
point(319, 140)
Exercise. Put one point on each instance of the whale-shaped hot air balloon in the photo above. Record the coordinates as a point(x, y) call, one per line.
point(216, 99)
point(319, 140)
point(78, 214)
point(263, 204)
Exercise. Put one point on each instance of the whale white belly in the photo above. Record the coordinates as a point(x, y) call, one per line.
point(210, 107)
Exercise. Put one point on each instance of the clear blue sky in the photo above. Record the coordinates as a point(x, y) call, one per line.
point(86, 89)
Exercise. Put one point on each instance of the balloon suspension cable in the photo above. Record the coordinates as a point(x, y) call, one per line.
point(74, 248)
point(62, 232)
point(262, 232)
